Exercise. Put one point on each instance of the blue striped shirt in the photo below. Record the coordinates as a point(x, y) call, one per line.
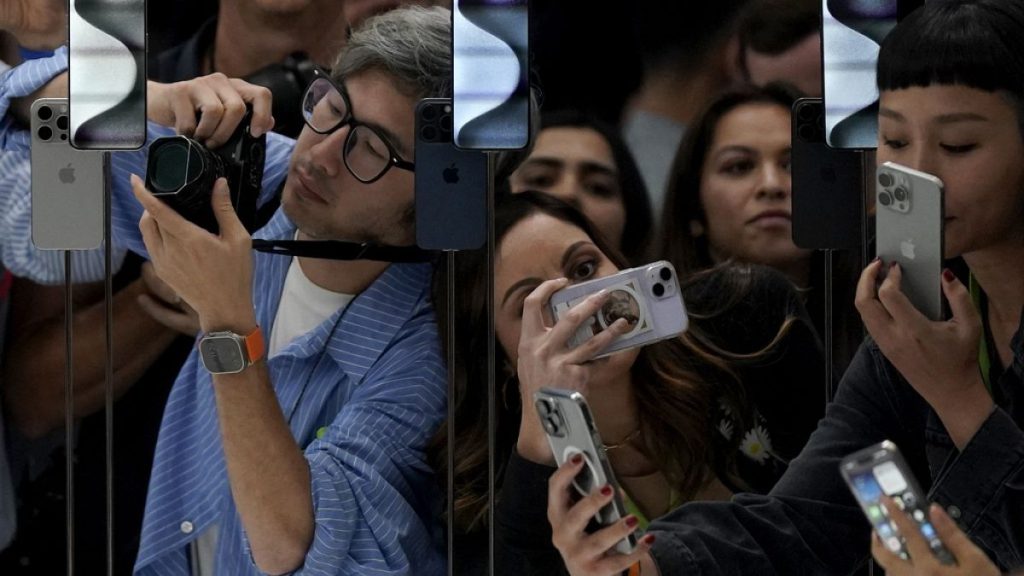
point(371, 376)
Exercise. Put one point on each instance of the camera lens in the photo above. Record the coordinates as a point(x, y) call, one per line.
point(44, 113)
point(665, 274)
point(806, 132)
point(884, 199)
point(885, 179)
point(174, 164)
point(900, 193)
point(806, 112)
point(658, 289)
point(446, 123)
point(45, 133)
point(429, 112)
point(428, 133)
point(62, 122)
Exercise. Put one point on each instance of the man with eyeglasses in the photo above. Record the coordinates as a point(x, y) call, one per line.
point(311, 462)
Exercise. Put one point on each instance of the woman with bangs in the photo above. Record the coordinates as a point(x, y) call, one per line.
point(719, 410)
point(950, 394)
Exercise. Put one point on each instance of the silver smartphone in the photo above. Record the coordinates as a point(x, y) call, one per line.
point(881, 469)
point(648, 297)
point(570, 429)
point(67, 184)
point(909, 216)
point(107, 74)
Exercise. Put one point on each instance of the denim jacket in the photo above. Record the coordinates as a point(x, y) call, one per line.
point(810, 524)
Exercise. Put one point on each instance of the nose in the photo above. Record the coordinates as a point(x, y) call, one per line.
point(568, 189)
point(326, 151)
point(923, 159)
point(774, 184)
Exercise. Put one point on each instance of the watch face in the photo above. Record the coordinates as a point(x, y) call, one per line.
point(221, 355)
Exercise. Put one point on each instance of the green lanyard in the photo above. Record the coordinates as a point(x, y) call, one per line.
point(643, 522)
point(984, 360)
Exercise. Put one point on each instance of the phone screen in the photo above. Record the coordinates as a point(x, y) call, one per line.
point(885, 478)
point(491, 93)
point(107, 74)
point(852, 32)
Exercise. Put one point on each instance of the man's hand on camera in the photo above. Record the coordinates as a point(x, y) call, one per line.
point(212, 274)
point(36, 24)
point(219, 100)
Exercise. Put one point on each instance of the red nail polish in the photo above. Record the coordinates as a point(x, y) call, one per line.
point(606, 490)
point(578, 458)
point(632, 521)
point(947, 275)
point(892, 264)
point(649, 539)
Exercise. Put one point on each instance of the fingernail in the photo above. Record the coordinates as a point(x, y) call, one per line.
point(577, 459)
point(893, 265)
point(877, 259)
point(649, 539)
point(947, 275)
point(606, 490)
point(632, 521)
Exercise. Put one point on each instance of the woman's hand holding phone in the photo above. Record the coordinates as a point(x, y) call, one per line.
point(545, 358)
point(590, 554)
point(971, 561)
point(939, 359)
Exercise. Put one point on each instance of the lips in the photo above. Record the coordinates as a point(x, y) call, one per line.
point(771, 217)
point(308, 189)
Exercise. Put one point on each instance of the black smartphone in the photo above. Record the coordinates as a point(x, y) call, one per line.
point(451, 184)
point(827, 185)
point(491, 88)
point(107, 74)
point(881, 469)
point(851, 34)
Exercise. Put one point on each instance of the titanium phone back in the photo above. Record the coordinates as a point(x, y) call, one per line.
point(451, 184)
point(570, 429)
point(909, 216)
point(67, 184)
point(107, 74)
point(827, 188)
point(881, 470)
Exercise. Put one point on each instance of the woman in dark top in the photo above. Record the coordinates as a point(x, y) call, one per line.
point(720, 409)
point(950, 394)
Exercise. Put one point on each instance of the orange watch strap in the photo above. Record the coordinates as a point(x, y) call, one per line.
point(634, 570)
point(255, 346)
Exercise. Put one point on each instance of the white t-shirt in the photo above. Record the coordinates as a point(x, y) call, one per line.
point(303, 307)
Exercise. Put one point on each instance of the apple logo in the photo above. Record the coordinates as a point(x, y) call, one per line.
point(66, 174)
point(907, 249)
point(451, 174)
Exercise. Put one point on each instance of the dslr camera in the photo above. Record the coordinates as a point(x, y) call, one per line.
point(181, 172)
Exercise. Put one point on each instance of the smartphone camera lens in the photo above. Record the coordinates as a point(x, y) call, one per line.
point(62, 122)
point(665, 274)
point(45, 133)
point(806, 132)
point(885, 199)
point(658, 289)
point(428, 133)
point(885, 179)
point(45, 113)
point(806, 113)
point(429, 113)
point(900, 193)
point(446, 123)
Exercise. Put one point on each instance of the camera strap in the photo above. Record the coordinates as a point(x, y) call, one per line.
point(343, 250)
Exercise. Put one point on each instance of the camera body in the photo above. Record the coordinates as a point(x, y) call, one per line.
point(181, 172)
point(648, 297)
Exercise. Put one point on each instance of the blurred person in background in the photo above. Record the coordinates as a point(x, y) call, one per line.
point(780, 41)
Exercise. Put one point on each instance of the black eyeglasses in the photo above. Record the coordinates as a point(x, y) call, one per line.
point(368, 155)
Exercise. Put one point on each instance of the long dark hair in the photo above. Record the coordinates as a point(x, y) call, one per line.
point(679, 380)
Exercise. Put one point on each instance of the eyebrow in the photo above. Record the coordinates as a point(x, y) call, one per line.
point(951, 118)
point(735, 148)
point(391, 136)
point(586, 165)
point(533, 280)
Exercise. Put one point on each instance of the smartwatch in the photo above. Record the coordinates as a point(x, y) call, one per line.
point(230, 353)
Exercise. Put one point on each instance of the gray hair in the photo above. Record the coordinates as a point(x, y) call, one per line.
point(411, 44)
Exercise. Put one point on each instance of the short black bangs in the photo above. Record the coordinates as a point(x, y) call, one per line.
point(975, 43)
